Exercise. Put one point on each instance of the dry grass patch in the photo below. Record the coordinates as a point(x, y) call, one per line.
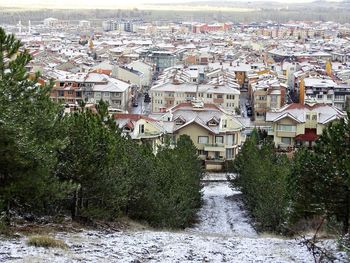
point(46, 242)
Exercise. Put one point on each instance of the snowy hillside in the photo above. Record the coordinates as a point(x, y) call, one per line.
point(223, 235)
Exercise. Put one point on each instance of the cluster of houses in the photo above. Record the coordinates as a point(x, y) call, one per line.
point(214, 82)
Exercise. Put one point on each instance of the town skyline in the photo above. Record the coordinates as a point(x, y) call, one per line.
point(113, 4)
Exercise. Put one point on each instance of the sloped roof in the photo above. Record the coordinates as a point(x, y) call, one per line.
point(297, 112)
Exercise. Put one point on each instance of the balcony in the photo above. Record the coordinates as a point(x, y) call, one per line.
point(215, 147)
point(218, 100)
point(286, 134)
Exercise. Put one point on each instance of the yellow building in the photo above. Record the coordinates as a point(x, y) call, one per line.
point(215, 132)
point(297, 124)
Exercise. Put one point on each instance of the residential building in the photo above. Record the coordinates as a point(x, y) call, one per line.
point(90, 88)
point(325, 90)
point(167, 95)
point(267, 95)
point(300, 124)
point(141, 129)
point(162, 59)
point(215, 132)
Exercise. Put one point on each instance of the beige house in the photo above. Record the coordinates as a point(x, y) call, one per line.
point(215, 132)
point(141, 128)
point(298, 124)
point(146, 69)
point(130, 75)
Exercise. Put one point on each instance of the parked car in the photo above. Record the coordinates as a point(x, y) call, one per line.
point(147, 98)
point(249, 112)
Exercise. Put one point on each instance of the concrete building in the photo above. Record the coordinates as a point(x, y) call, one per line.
point(168, 94)
point(298, 124)
point(90, 88)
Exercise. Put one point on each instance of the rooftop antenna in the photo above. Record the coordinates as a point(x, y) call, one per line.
point(19, 26)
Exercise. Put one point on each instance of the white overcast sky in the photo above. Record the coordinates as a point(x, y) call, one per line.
point(105, 3)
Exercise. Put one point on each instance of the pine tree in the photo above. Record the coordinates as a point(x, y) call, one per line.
point(333, 150)
point(29, 123)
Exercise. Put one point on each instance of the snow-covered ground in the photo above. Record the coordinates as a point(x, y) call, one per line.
point(223, 234)
point(221, 213)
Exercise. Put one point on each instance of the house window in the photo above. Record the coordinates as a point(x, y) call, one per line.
point(116, 102)
point(308, 116)
point(229, 153)
point(230, 97)
point(203, 139)
point(61, 93)
point(286, 140)
point(314, 117)
point(201, 152)
point(209, 96)
point(141, 128)
point(70, 92)
point(213, 122)
point(219, 139)
point(219, 96)
point(78, 94)
point(320, 96)
point(229, 139)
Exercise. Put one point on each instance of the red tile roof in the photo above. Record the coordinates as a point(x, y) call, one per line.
point(310, 135)
point(134, 117)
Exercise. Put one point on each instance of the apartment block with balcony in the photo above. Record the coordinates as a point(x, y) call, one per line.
point(91, 88)
point(325, 90)
point(215, 133)
point(167, 95)
point(300, 124)
point(267, 95)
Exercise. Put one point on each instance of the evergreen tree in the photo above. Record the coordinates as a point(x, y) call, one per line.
point(304, 186)
point(262, 178)
point(28, 122)
point(333, 150)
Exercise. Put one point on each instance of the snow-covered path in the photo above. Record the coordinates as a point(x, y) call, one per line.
point(221, 213)
point(223, 234)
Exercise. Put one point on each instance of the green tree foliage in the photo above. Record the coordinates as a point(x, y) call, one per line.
point(172, 191)
point(28, 128)
point(81, 162)
point(262, 177)
point(304, 186)
point(333, 149)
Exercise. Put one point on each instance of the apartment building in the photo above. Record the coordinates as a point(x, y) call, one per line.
point(162, 59)
point(169, 94)
point(215, 132)
point(300, 124)
point(325, 90)
point(267, 95)
point(90, 88)
point(130, 75)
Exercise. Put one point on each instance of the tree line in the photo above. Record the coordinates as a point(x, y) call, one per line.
point(80, 164)
point(281, 192)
